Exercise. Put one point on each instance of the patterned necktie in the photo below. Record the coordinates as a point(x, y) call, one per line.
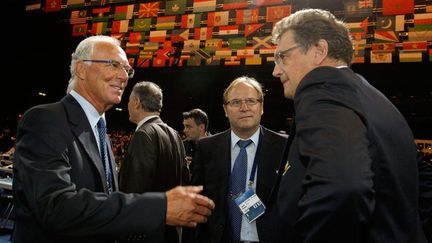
point(104, 152)
point(237, 186)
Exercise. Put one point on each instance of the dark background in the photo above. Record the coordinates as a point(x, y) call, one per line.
point(36, 58)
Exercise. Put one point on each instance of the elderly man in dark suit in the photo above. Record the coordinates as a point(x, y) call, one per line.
point(64, 185)
point(215, 159)
point(155, 155)
point(352, 171)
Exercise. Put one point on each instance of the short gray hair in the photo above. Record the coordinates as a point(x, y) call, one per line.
point(149, 94)
point(84, 50)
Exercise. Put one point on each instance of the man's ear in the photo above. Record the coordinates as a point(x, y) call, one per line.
point(320, 51)
point(80, 69)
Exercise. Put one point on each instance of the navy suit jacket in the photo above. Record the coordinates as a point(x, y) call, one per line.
point(59, 186)
point(352, 170)
point(212, 168)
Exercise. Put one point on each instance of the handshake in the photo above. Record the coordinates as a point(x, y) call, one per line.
point(186, 207)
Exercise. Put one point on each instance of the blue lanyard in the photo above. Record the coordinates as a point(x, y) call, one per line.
point(254, 167)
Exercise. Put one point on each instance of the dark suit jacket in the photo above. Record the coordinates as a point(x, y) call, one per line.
point(212, 168)
point(353, 174)
point(153, 163)
point(59, 186)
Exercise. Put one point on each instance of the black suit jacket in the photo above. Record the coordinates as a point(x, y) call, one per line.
point(59, 186)
point(153, 163)
point(212, 168)
point(353, 169)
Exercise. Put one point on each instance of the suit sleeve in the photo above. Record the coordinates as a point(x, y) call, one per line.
point(45, 192)
point(338, 187)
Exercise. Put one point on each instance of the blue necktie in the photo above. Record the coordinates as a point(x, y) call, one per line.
point(104, 152)
point(237, 186)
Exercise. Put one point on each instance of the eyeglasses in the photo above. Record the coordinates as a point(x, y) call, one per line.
point(116, 65)
point(238, 102)
point(280, 55)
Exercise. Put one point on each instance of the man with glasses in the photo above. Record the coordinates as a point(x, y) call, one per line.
point(215, 165)
point(351, 170)
point(65, 185)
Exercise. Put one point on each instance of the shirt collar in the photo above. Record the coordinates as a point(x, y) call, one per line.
point(90, 111)
point(235, 138)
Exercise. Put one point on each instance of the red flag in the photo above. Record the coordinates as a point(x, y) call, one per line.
point(52, 5)
point(394, 7)
point(79, 30)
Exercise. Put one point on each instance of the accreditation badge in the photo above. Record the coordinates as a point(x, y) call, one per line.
point(250, 205)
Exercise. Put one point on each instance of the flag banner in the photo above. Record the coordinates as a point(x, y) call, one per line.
point(136, 37)
point(217, 18)
point(204, 5)
point(179, 35)
point(228, 31)
point(394, 7)
point(276, 13)
point(256, 60)
point(246, 53)
point(175, 7)
point(158, 35)
point(123, 12)
point(213, 44)
point(390, 23)
point(147, 10)
point(237, 43)
point(257, 29)
point(232, 61)
point(99, 28)
point(79, 16)
point(141, 24)
point(100, 14)
point(191, 45)
point(203, 33)
point(380, 57)
point(262, 42)
point(410, 56)
point(33, 6)
point(415, 46)
point(52, 5)
point(151, 46)
point(223, 53)
point(165, 23)
point(247, 16)
point(419, 35)
point(234, 4)
point(266, 2)
point(190, 21)
point(386, 36)
point(423, 21)
point(383, 47)
point(73, 4)
point(120, 26)
point(79, 29)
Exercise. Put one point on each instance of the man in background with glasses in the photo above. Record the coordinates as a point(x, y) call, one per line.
point(351, 173)
point(215, 166)
point(65, 185)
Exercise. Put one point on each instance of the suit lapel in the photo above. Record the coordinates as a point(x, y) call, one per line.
point(84, 133)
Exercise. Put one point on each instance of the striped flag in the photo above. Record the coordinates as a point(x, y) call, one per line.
point(99, 28)
point(203, 33)
point(204, 5)
point(386, 36)
point(158, 35)
point(123, 12)
point(191, 21)
point(120, 26)
point(165, 23)
point(410, 56)
point(100, 14)
point(234, 4)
